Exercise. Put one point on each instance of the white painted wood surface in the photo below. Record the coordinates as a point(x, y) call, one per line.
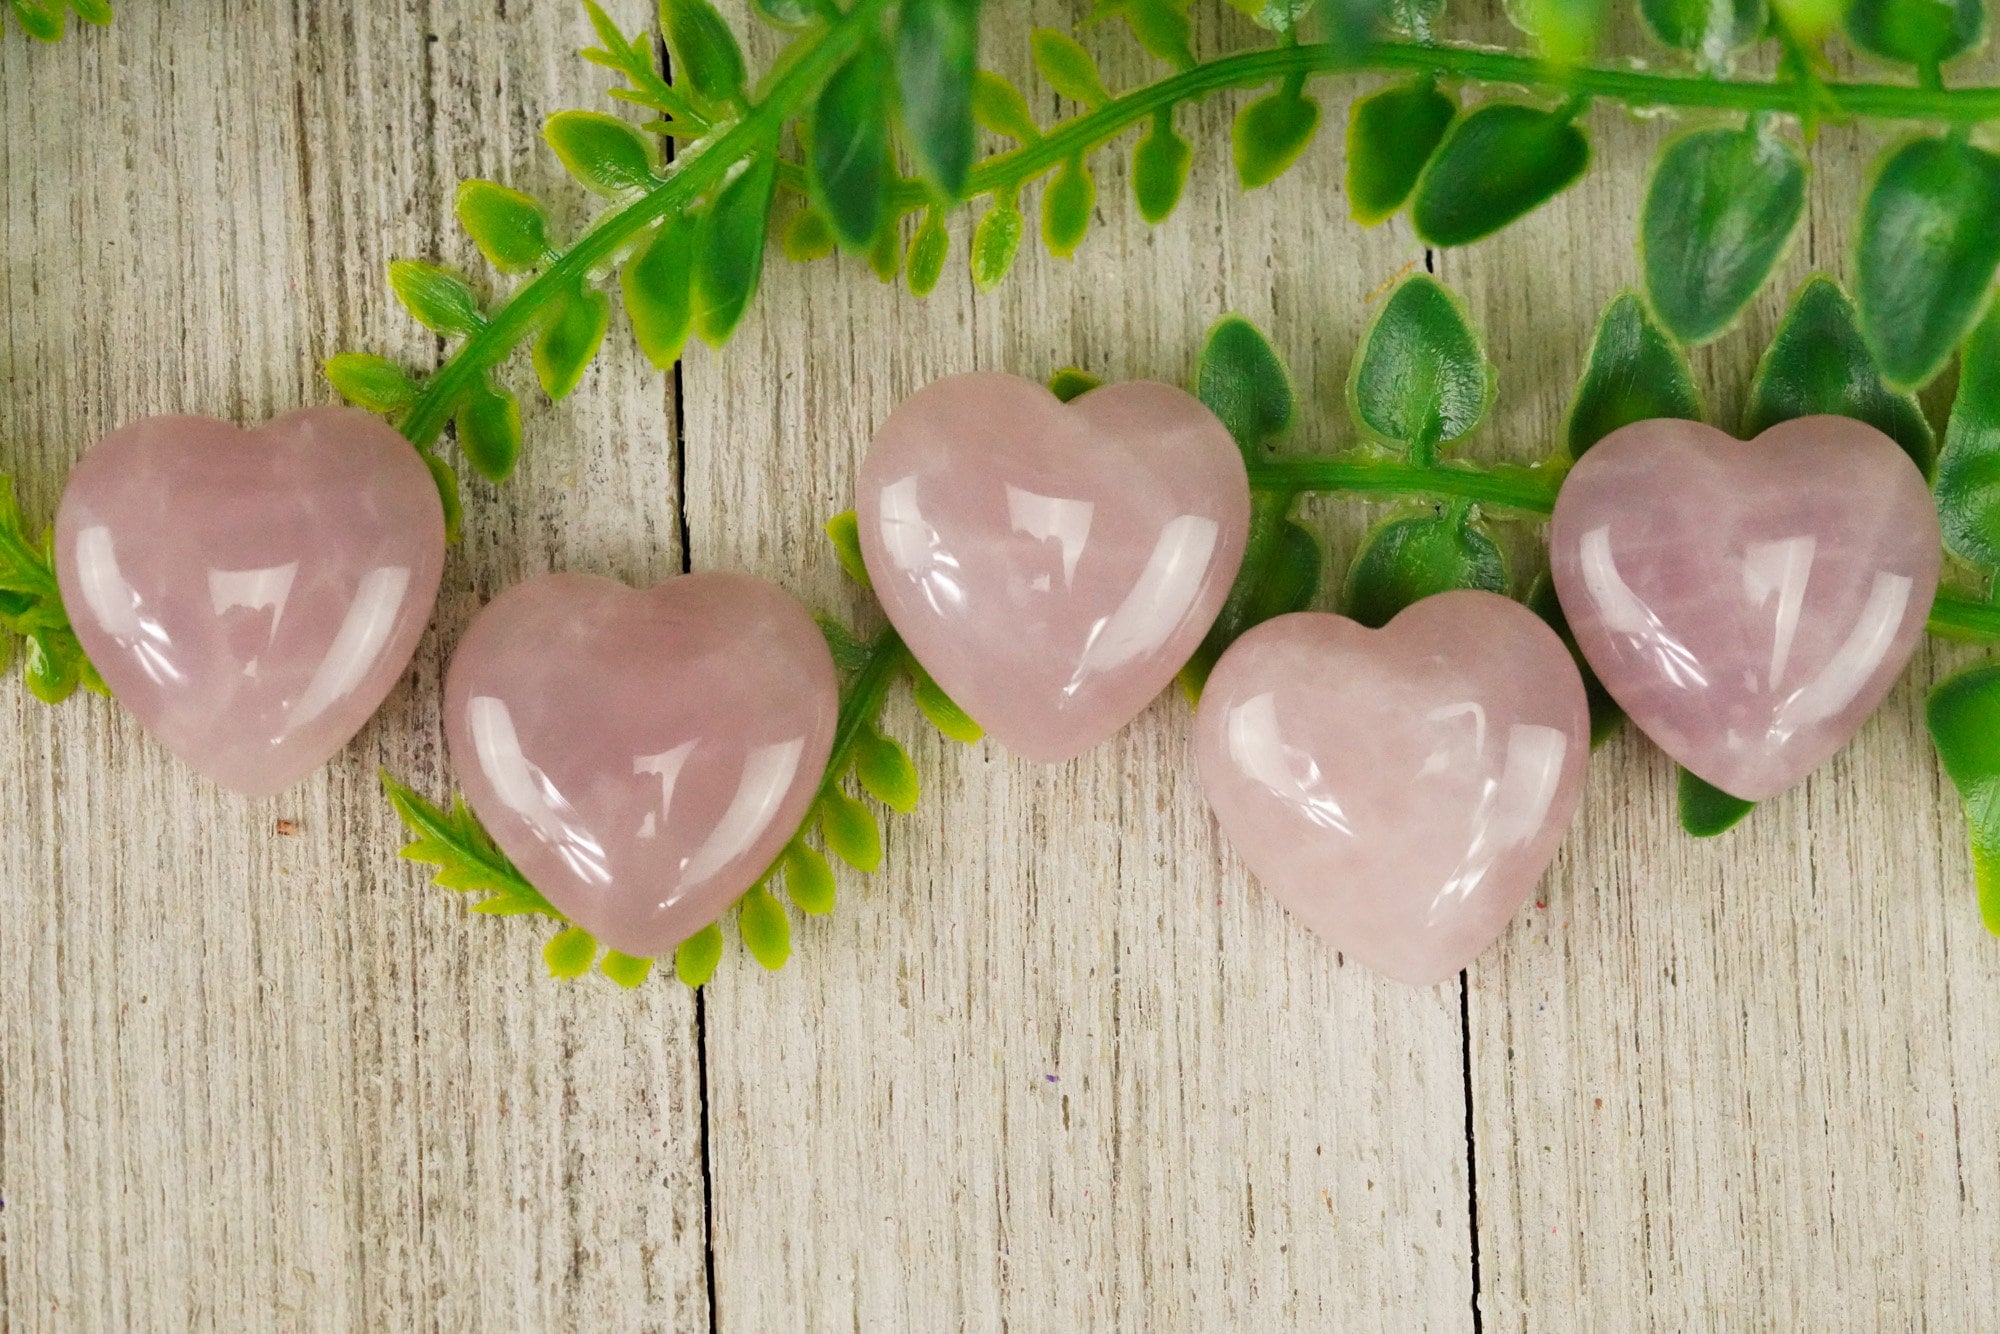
point(1059, 1065)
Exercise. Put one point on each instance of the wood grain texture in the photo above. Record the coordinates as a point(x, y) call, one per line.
point(251, 1080)
point(1060, 1064)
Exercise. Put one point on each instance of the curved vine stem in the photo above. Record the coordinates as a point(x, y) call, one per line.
point(494, 341)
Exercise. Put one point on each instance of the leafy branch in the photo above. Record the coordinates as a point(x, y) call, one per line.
point(46, 20)
point(31, 611)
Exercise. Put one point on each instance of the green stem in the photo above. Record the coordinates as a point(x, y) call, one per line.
point(695, 173)
point(861, 702)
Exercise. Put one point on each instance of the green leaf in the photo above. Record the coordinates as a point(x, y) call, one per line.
point(1390, 136)
point(1070, 69)
point(1924, 33)
point(808, 237)
point(929, 249)
point(995, 242)
point(1964, 718)
point(1710, 29)
point(465, 856)
point(1162, 29)
point(850, 655)
point(489, 430)
point(370, 382)
point(1605, 715)
point(570, 339)
point(441, 300)
point(704, 51)
point(603, 152)
point(1270, 134)
point(1414, 555)
point(1568, 30)
point(999, 106)
point(729, 249)
point(1242, 381)
point(952, 722)
point(446, 481)
point(1070, 384)
point(1160, 166)
point(570, 953)
point(1968, 474)
point(937, 53)
point(1290, 579)
point(847, 161)
point(52, 667)
point(844, 530)
point(658, 285)
point(1706, 810)
point(884, 769)
point(765, 927)
point(1066, 206)
point(697, 956)
point(1808, 23)
point(511, 229)
point(627, 971)
point(1930, 242)
point(885, 257)
point(1496, 164)
point(1421, 378)
point(1819, 363)
point(850, 830)
point(808, 880)
point(1720, 213)
point(1636, 373)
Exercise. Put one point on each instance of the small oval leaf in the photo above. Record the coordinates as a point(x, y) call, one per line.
point(844, 531)
point(570, 339)
point(1968, 472)
point(1818, 362)
point(1066, 206)
point(808, 237)
point(570, 953)
point(884, 769)
point(1290, 578)
point(999, 106)
point(1071, 383)
point(511, 229)
point(704, 51)
point(1924, 33)
point(848, 159)
point(1270, 134)
point(1964, 718)
point(1391, 135)
point(1706, 810)
point(766, 928)
point(1417, 554)
point(1421, 378)
point(929, 249)
point(1636, 373)
point(370, 382)
point(1710, 29)
point(944, 714)
point(850, 830)
point(627, 971)
point(729, 250)
point(1930, 243)
point(1720, 212)
point(658, 285)
point(1243, 382)
point(937, 52)
point(489, 430)
point(1070, 69)
point(809, 880)
point(603, 152)
point(1497, 164)
point(698, 955)
point(1160, 165)
point(441, 300)
point(995, 242)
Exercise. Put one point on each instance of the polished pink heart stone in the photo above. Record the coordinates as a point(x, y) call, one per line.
point(251, 596)
point(1748, 605)
point(1399, 790)
point(643, 757)
point(1052, 566)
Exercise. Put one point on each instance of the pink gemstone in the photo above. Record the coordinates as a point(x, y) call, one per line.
point(643, 757)
point(1052, 566)
point(251, 596)
point(1748, 605)
point(1399, 790)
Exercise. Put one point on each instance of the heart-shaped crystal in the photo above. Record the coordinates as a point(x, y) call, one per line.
point(1748, 605)
point(642, 756)
point(1052, 566)
point(251, 596)
point(1399, 790)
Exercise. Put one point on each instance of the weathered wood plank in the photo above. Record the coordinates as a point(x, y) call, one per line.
point(1060, 1065)
point(251, 1079)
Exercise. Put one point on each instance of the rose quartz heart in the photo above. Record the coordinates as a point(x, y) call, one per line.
point(642, 756)
point(1748, 605)
point(1052, 566)
point(1399, 790)
point(251, 596)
